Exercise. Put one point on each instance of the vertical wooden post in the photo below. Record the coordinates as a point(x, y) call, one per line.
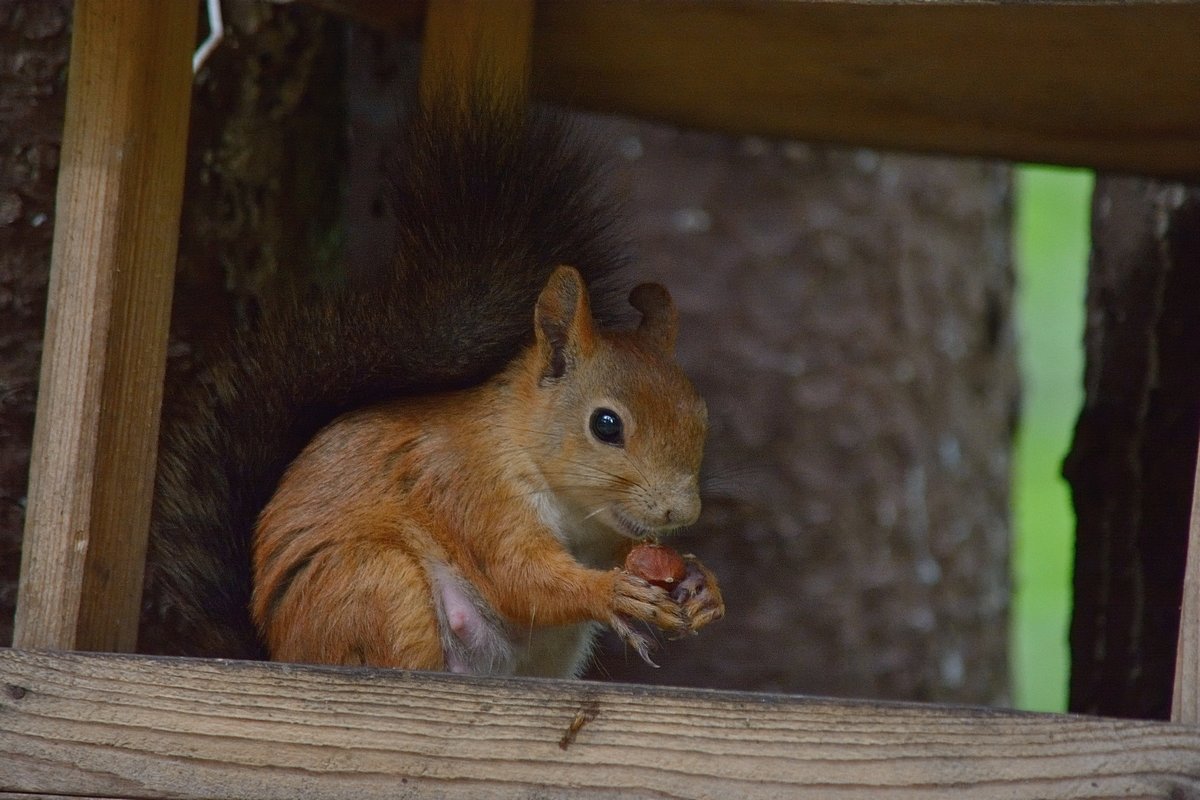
point(468, 41)
point(116, 229)
point(1185, 702)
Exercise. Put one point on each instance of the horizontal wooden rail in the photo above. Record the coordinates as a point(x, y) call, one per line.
point(1115, 86)
point(1107, 85)
point(132, 726)
point(467, 41)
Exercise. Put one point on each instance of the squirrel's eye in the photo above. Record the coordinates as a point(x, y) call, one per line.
point(607, 427)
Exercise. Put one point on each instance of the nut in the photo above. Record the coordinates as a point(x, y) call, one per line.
point(656, 564)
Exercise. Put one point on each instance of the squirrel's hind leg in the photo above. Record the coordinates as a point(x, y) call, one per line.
point(359, 605)
point(474, 639)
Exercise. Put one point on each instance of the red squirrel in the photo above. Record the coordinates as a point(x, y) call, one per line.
point(476, 530)
point(442, 465)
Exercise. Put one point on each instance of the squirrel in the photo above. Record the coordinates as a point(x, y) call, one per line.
point(441, 465)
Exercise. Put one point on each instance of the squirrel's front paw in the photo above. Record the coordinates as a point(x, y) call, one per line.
point(637, 599)
point(698, 594)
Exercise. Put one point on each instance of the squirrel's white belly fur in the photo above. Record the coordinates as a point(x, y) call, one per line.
point(556, 652)
point(562, 651)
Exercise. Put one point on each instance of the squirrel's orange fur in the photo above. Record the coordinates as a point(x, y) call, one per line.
point(479, 530)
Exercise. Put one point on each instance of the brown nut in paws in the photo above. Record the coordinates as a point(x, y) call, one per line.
point(637, 599)
point(656, 564)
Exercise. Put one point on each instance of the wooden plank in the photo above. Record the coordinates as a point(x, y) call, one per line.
point(471, 43)
point(1112, 86)
point(112, 265)
point(393, 17)
point(1185, 702)
point(132, 726)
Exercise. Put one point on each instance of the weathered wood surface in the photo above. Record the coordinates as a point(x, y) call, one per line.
point(398, 17)
point(113, 258)
point(1115, 86)
point(1185, 702)
point(466, 41)
point(134, 726)
point(1108, 85)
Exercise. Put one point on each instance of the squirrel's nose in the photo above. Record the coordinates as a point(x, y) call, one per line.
point(682, 509)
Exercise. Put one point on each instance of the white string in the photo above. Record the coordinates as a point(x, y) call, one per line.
point(216, 32)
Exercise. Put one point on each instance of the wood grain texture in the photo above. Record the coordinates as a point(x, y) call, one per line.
point(1185, 702)
point(396, 17)
point(467, 42)
point(132, 726)
point(112, 263)
point(1113, 86)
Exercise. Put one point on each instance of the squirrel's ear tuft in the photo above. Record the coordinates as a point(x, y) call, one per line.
point(660, 320)
point(562, 322)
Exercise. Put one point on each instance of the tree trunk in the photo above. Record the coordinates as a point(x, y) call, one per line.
point(262, 211)
point(848, 317)
point(1132, 464)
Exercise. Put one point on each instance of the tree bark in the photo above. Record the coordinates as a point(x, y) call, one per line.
point(262, 214)
point(1132, 463)
point(847, 315)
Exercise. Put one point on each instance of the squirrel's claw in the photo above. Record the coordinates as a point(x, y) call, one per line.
point(640, 644)
point(699, 595)
point(635, 598)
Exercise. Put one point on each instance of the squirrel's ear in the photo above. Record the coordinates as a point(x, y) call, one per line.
point(562, 322)
point(660, 320)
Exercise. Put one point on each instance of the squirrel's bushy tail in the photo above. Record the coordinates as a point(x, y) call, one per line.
point(487, 201)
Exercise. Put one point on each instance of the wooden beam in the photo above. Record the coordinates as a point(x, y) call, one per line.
point(1185, 702)
point(1112, 86)
point(131, 726)
point(112, 265)
point(469, 43)
point(393, 17)
point(1107, 85)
